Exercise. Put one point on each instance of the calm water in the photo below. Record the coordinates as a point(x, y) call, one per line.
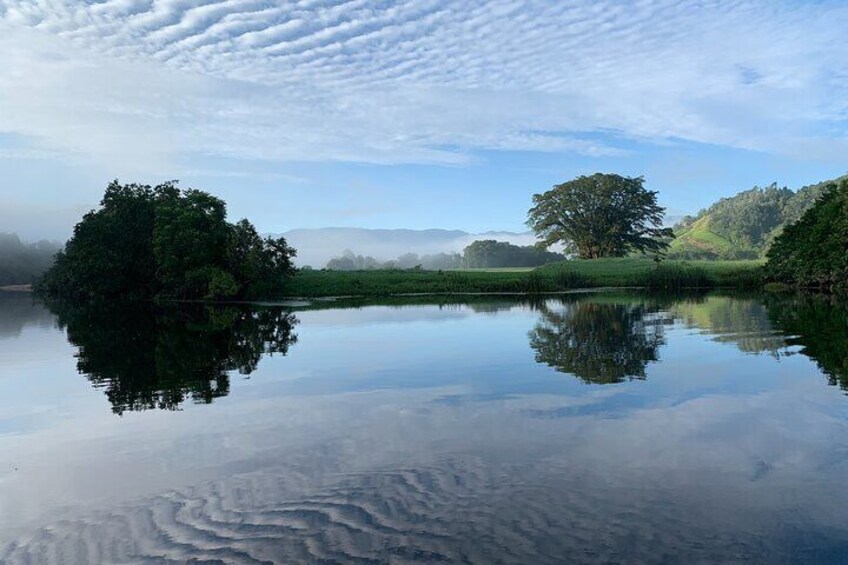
point(591, 427)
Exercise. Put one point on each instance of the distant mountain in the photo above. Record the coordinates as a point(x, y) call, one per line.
point(742, 226)
point(317, 246)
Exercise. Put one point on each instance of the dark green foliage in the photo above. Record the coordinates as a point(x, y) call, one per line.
point(813, 252)
point(146, 356)
point(21, 263)
point(162, 242)
point(488, 254)
point(743, 226)
point(603, 215)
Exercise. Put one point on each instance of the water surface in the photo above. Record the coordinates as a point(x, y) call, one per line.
point(615, 427)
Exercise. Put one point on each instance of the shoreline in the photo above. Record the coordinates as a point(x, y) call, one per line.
point(16, 288)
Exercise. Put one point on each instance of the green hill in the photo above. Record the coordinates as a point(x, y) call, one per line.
point(742, 226)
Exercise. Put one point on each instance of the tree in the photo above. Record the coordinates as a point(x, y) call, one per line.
point(145, 242)
point(190, 235)
point(813, 252)
point(603, 215)
point(488, 253)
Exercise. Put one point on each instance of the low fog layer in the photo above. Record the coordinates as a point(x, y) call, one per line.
point(317, 246)
point(22, 262)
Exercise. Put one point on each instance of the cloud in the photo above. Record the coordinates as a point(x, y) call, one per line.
point(142, 82)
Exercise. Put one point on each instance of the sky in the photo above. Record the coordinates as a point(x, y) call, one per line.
point(414, 114)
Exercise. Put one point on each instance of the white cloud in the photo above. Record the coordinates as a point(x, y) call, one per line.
point(141, 82)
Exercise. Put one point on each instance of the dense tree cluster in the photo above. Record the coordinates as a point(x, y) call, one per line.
point(486, 253)
point(161, 241)
point(743, 226)
point(603, 215)
point(21, 263)
point(813, 252)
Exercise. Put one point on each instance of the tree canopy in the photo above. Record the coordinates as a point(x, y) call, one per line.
point(602, 215)
point(813, 252)
point(488, 253)
point(159, 241)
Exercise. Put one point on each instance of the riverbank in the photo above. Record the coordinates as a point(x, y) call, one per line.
point(555, 277)
point(16, 288)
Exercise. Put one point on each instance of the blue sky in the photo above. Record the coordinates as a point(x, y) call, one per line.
point(419, 113)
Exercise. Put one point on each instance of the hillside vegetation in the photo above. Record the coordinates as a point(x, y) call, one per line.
point(743, 226)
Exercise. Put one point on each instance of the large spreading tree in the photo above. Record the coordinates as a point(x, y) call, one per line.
point(162, 242)
point(602, 215)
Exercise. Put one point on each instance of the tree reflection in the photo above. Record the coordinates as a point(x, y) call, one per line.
point(737, 318)
point(597, 341)
point(819, 326)
point(148, 357)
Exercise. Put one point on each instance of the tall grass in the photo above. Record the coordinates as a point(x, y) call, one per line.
point(552, 278)
point(675, 277)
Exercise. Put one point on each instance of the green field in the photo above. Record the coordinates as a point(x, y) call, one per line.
point(555, 277)
point(699, 237)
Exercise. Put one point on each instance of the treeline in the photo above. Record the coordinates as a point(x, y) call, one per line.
point(163, 242)
point(350, 261)
point(486, 253)
point(743, 226)
point(22, 263)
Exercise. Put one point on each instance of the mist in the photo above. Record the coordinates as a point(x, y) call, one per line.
point(22, 262)
point(315, 247)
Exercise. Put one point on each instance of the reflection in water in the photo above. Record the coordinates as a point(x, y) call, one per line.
point(152, 357)
point(612, 338)
point(739, 457)
point(598, 341)
point(819, 325)
point(738, 319)
point(18, 310)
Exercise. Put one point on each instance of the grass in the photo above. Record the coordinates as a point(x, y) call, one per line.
point(567, 275)
point(498, 270)
point(630, 271)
